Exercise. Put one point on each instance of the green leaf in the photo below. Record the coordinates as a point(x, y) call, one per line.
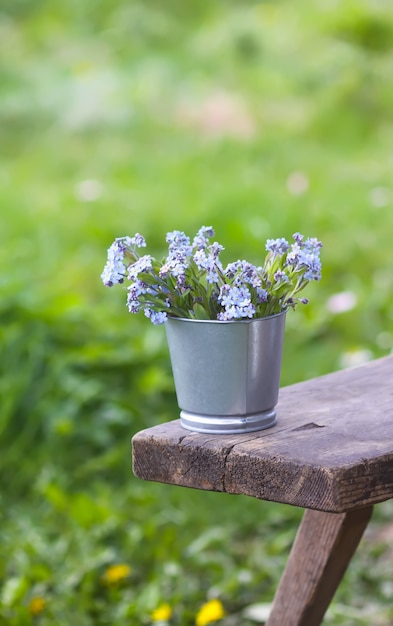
point(13, 590)
point(149, 279)
point(200, 313)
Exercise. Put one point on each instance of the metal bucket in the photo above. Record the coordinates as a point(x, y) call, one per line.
point(227, 374)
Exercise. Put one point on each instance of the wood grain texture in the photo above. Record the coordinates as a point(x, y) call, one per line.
point(323, 547)
point(331, 449)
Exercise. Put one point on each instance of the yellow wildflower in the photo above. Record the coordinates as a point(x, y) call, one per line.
point(162, 613)
point(210, 612)
point(37, 605)
point(116, 573)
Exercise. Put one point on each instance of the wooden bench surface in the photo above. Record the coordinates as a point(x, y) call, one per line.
point(331, 449)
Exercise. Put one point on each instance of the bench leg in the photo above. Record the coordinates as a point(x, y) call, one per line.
point(321, 552)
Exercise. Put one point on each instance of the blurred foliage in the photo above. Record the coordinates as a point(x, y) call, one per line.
point(260, 119)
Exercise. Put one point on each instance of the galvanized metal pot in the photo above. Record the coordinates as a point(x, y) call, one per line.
point(227, 374)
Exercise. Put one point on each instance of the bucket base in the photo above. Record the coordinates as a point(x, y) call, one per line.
point(234, 424)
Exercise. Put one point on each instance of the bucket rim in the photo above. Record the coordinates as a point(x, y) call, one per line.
point(235, 321)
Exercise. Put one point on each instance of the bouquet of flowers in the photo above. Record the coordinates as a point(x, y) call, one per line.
point(191, 282)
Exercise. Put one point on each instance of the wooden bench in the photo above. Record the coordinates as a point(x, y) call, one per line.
point(331, 452)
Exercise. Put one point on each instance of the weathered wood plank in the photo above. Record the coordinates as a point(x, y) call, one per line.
point(331, 450)
point(322, 550)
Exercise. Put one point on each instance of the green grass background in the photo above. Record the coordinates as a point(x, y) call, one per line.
point(258, 118)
